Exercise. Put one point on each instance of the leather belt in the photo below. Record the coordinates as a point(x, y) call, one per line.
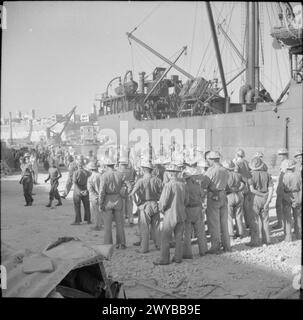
point(194, 205)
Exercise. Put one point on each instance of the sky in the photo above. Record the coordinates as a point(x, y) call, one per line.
point(56, 55)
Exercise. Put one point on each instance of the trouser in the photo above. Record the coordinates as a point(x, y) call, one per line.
point(194, 221)
point(217, 222)
point(287, 219)
point(36, 172)
point(68, 186)
point(259, 221)
point(247, 208)
point(149, 224)
point(235, 210)
point(54, 193)
point(78, 198)
point(166, 234)
point(109, 214)
point(128, 208)
point(279, 208)
point(96, 213)
point(27, 193)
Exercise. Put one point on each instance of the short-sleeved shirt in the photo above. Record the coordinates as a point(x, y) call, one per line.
point(234, 182)
point(93, 185)
point(260, 180)
point(218, 177)
point(80, 178)
point(148, 188)
point(242, 167)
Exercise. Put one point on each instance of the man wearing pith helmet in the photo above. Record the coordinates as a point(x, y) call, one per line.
point(110, 202)
point(93, 186)
point(217, 213)
point(194, 219)
point(173, 200)
point(298, 158)
point(129, 176)
point(148, 190)
point(261, 186)
point(282, 161)
point(234, 188)
point(292, 201)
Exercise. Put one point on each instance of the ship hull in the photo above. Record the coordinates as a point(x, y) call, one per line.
point(259, 130)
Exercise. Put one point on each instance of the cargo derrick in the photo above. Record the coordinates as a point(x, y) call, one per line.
point(162, 98)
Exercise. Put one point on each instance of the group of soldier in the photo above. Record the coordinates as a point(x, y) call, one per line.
point(176, 201)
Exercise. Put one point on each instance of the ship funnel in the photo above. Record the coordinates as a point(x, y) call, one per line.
point(141, 82)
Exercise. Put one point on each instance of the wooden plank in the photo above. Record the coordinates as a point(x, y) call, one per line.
point(105, 279)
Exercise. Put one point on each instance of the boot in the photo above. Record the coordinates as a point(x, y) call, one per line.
point(59, 203)
point(49, 204)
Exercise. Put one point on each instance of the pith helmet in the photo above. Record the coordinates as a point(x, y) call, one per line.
point(92, 166)
point(214, 155)
point(173, 167)
point(256, 164)
point(291, 164)
point(146, 164)
point(109, 161)
point(241, 153)
point(203, 163)
point(26, 155)
point(283, 151)
point(229, 165)
point(259, 154)
point(190, 172)
point(123, 160)
point(298, 154)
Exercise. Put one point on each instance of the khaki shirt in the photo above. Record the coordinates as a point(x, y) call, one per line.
point(173, 200)
point(242, 167)
point(234, 182)
point(111, 184)
point(148, 188)
point(261, 181)
point(93, 186)
point(292, 187)
point(80, 178)
point(218, 177)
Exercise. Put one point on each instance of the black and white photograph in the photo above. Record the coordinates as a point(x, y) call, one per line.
point(151, 151)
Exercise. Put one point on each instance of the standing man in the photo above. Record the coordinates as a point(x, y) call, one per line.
point(72, 167)
point(261, 186)
point(93, 186)
point(129, 176)
point(194, 220)
point(217, 212)
point(292, 201)
point(173, 200)
point(298, 158)
point(27, 182)
point(148, 190)
point(242, 167)
point(234, 188)
point(80, 178)
point(282, 160)
point(54, 175)
point(28, 165)
point(110, 202)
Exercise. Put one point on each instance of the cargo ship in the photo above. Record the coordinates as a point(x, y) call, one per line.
point(255, 123)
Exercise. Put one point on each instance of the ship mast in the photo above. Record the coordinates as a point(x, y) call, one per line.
point(217, 49)
point(253, 47)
